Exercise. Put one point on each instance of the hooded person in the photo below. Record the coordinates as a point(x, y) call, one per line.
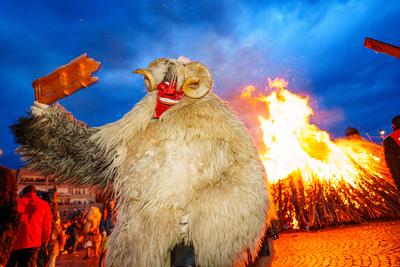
point(352, 134)
point(183, 167)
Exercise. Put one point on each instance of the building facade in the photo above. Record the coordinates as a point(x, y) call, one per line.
point(70, 197)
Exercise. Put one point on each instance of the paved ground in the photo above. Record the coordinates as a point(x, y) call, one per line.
point(369, 244)
point(76, 260)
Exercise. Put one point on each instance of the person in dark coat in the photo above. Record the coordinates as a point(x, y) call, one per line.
point(9, 218)
point(107, 223)
point(391, 146)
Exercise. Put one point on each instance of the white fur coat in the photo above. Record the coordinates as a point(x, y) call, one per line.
point(191, 176)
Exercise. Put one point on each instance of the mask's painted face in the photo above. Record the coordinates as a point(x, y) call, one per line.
point(167, 96)
point(173, 78)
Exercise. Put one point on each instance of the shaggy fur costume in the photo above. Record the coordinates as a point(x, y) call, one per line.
point(196, 164)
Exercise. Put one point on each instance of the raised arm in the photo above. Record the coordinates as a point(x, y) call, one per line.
point(53, 142)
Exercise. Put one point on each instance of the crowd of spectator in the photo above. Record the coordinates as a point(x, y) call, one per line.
point(34, 234)
point(88, 230)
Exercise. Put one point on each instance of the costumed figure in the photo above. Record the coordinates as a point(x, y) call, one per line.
point(91, 229)
point(183, 167)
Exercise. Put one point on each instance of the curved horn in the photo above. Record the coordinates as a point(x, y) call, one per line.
point(200, 83)
point(149, 81)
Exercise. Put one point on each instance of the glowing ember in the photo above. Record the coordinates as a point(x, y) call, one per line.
point(295, 223)
point(318, 181)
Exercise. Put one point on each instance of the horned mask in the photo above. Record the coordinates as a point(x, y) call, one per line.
point(174, 79)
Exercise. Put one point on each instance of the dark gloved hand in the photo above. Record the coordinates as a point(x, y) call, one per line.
point(183, 256)
point(273, 231)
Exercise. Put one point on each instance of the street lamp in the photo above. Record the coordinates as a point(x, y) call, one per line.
point(1, 152)
point(382, 133)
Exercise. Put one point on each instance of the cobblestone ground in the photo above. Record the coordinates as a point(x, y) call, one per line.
point(369, 244)
point(76, 260)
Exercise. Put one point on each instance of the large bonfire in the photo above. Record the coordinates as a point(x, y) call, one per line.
point(317, 181)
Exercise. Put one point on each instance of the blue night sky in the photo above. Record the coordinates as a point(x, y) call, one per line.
point(316, 45)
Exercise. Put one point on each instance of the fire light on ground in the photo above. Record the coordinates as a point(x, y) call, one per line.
point(317, 181)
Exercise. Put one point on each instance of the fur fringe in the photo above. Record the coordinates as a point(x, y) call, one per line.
point(57, 144)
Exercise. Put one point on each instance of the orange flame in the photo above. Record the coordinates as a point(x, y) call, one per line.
point(316, 181)
point(293, 144)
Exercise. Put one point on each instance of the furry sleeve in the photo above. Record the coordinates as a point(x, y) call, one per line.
point(56, 143)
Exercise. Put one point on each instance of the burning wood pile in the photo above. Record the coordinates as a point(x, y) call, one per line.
point(317, 181)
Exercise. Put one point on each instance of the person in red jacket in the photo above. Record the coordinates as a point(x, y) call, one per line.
point(34, 230)
point(391, 146)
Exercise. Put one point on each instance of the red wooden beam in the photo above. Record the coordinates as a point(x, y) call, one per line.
point(382, 47)
point(66, 80)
